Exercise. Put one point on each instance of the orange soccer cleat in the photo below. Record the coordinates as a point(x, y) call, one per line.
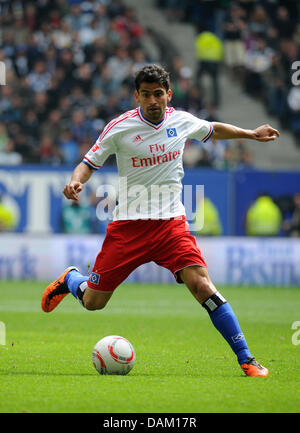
point(254, 369)
point(56, 291)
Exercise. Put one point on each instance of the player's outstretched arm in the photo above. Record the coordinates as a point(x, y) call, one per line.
point(225, 131)
point(81, 174)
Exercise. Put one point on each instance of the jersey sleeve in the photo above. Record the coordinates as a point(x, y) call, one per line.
point(199, 129)
point(102, 149)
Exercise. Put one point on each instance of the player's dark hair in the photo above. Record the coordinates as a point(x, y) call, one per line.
point(152, 74)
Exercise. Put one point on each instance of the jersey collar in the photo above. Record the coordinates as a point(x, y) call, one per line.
point(154, 125)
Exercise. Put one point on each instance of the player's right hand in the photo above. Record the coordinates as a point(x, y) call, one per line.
point(72, 189)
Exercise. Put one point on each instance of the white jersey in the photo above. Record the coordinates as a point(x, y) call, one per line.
point(149, 159)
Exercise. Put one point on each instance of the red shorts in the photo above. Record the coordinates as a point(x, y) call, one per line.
point(131, 243)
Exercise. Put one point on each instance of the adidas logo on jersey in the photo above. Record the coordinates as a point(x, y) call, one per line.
point(137, 139)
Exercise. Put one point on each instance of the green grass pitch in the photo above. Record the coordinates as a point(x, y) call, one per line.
point(183, 365)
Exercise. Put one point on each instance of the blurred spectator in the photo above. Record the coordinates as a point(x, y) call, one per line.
point(196, 155)
point(194, 102)
point(4, 138)
point(75, 218)
point(81, 127)
point(5, 101)
point(234, 46)
point(181, 84)
point(21, 32)
point(257, 61)
point(8, 218)
point(259, 20)
point(209, 113)
point(39, 78)
point(285, 25)
point(62, 36)
point(53, 127)
point(75, 18)
point(274, 91)
point(205, 159)
point(217, 154)
point(207, 222)
point(30, 124)
point(83, 77)
point(139, 60)
point(228, 162)
point(49, 151)
point(88, 34)
point(215, 150)
point(105, 83)
point(66, 63)
point(264, 217)
point(246, 161)
point(84, 147)
point(286, 205)
point(291, 226)
point(241, 155)
point(99, 220)
point(119, 65)
point(8, 155)
point(30, 16)
point(174, 10)
point(24, 147)
point(192, 153)
point(293, 101)
point(209, 54)
point(68, 148)
point(41, 108)
point(289, 53)
point(20, 62)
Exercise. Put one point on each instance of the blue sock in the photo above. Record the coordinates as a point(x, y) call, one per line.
point(225, 321)
point(73, 280)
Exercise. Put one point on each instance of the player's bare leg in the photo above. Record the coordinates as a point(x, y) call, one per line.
point(94, 299)
point(197, 279)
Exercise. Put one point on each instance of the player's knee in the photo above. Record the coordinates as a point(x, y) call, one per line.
point(202, 289)
point(93, 300)
point(94, 304)
point(202, 284)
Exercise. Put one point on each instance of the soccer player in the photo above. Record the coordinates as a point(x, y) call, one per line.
point(148, 142)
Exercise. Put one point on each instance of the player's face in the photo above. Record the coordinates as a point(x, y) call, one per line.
point(153, 99)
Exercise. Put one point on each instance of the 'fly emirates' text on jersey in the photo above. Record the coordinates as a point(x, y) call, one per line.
point(149, 159)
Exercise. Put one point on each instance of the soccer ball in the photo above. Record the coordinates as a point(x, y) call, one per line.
point(113, 355)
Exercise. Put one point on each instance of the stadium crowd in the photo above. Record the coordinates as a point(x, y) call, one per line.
point(69, 70)
point(261, 42)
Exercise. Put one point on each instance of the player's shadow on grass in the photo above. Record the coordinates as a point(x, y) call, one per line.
point(43, 373)
point(39, 373)
point(144, 374)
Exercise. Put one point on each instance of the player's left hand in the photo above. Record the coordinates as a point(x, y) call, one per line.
point(265, 133)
